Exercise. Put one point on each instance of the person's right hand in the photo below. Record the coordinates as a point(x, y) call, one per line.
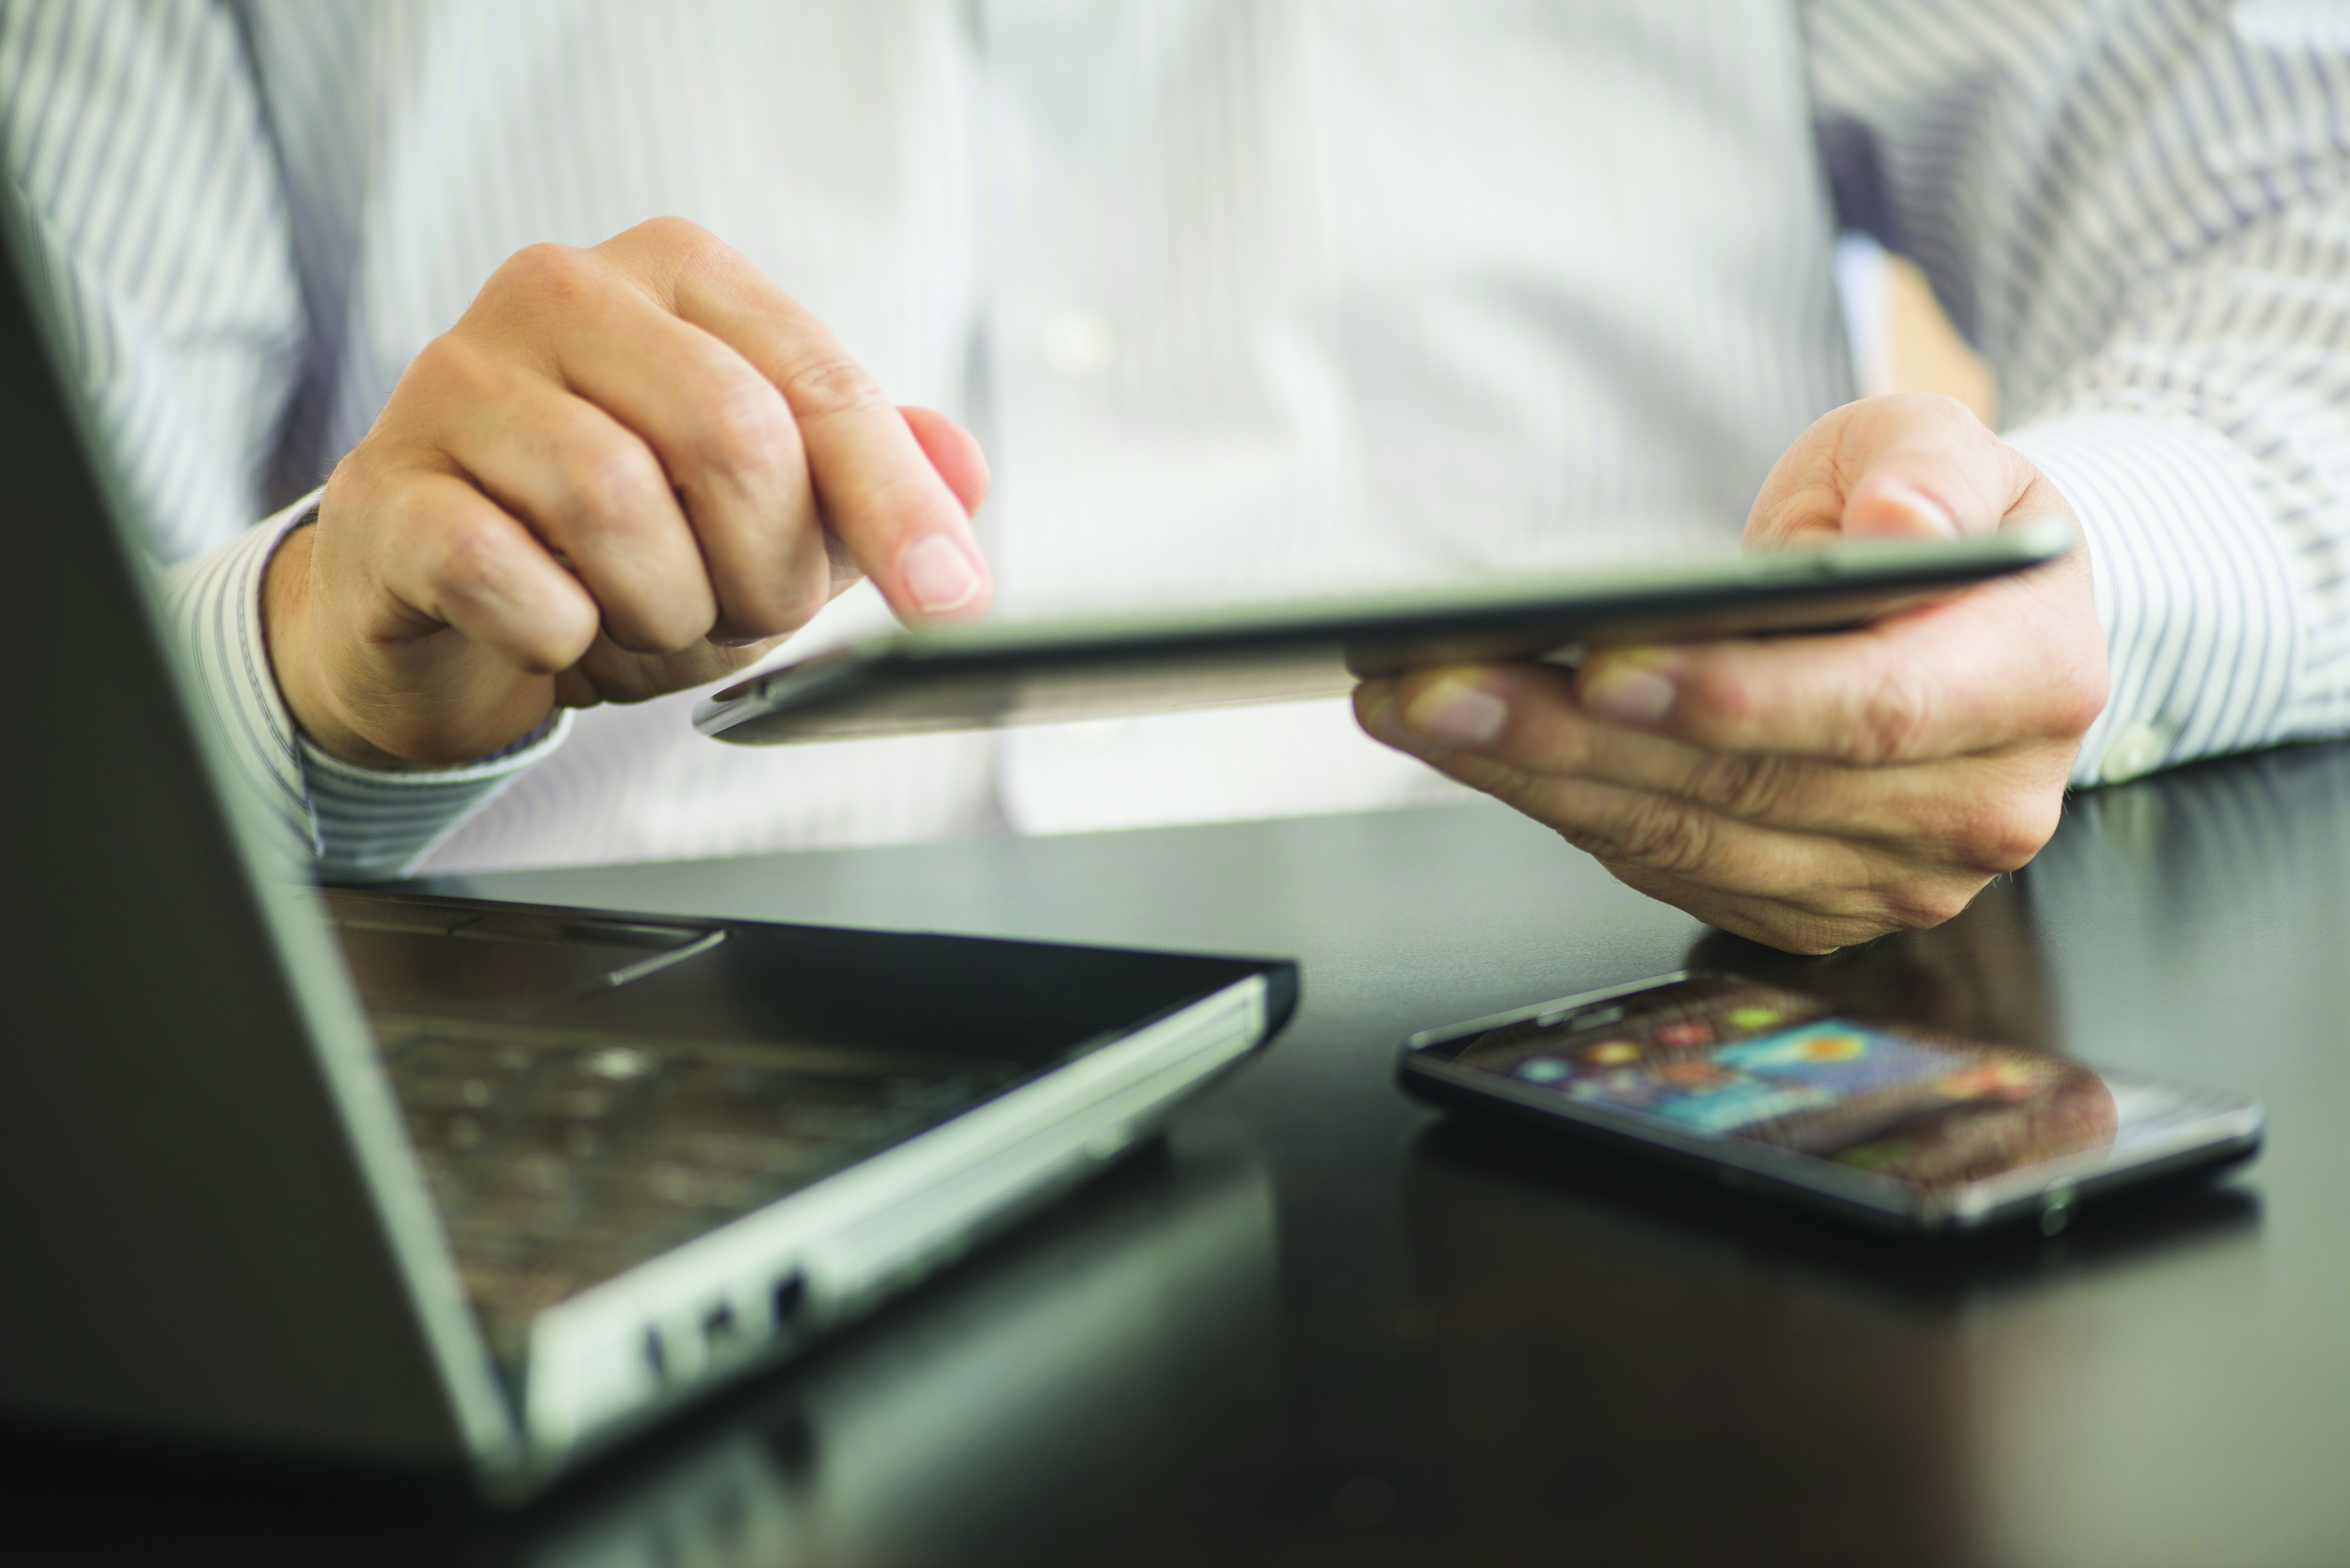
point(626, 471)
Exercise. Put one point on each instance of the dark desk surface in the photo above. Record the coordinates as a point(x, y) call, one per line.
point(1319, 1324)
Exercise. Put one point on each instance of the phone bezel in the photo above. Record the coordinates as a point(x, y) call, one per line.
point(2049, 1190)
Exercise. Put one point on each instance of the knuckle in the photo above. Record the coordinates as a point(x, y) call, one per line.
point(2083, 695)
point(829, 385)
point(1922, 905)
point(1578, 836)
point(545, 275)
point(451, 368)
point(1895, 716)
point(1713, 704)
point(611, 486)
point(2006, 838)
point(1516, 789)
point(1745, 784)
point(470, 566)
point(746, 436)
point(614, 512)
point(1556, 748)
point(472, 572)
point(681, 237)
point(1666, 834)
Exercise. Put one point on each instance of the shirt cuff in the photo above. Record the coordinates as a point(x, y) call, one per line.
point(2194, 588)
point(352, 822)
point(214, 604)
point(375, 823)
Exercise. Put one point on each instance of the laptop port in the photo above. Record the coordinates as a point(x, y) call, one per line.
point(718, 1324)
point(791, 1295)
point(656, 1353)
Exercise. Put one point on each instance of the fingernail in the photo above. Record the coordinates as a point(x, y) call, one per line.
point(1376, 710)
point(1633, 693)
point(1457, 714)
point(1921, 506)
point(938, 575)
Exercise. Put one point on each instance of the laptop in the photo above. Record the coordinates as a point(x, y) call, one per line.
point(451, 1185)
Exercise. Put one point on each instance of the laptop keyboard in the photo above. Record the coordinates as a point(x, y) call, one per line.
point(561, 1160)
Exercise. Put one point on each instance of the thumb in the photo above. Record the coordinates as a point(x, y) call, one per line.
point(1925, 467)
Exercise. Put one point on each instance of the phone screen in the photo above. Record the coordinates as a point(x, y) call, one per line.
point(1720, 1057)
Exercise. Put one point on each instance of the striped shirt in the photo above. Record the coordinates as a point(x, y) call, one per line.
point(1246, 298)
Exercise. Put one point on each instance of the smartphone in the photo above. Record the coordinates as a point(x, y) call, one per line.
point(981, 677)
point(1786, 1095)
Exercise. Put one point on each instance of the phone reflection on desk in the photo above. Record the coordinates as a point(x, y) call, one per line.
point(1628, 1349)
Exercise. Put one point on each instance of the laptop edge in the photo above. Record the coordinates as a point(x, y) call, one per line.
point(298, 1293)
point(203, 1167)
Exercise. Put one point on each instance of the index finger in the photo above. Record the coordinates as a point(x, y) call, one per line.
point(876, 488)
point(1995, 664)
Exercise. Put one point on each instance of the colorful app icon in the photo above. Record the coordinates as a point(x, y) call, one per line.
point(1852, 1058)
point(1695, 1074)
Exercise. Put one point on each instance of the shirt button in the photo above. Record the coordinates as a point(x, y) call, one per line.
point(1078, 343)
point(2136, 751)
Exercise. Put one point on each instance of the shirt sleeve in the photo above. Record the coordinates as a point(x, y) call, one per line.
point(358, 824)
point(134, 134)
point(2140, 213)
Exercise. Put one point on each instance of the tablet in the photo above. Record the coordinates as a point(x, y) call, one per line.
point(1039, 672)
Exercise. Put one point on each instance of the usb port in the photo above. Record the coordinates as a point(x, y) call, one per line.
point(718, 1323)
point(791, 1295)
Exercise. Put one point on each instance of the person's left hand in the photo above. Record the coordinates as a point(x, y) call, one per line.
point(1808, 792)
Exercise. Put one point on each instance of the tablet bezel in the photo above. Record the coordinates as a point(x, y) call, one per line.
point(991, 675)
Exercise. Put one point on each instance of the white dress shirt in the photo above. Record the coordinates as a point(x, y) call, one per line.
point(1246, 298)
